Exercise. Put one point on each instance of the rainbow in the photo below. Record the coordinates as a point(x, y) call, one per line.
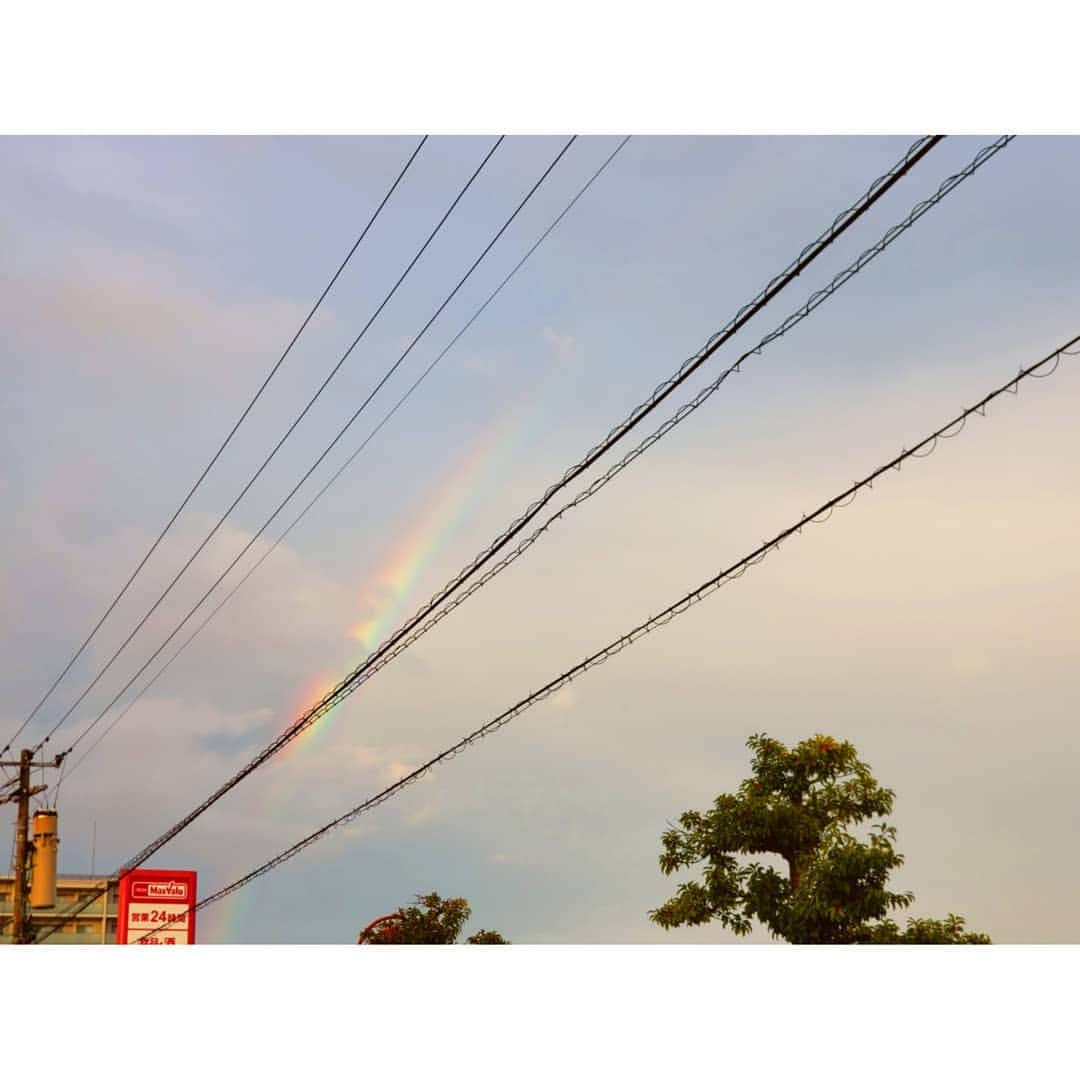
point(391, 589)
point(388, 596)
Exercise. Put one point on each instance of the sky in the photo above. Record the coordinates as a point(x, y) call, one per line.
point(148, 284)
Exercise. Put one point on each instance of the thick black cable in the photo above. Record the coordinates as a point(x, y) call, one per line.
point(348, 461)
point(220, 450)
point(820, 296)
point(695, 596)
point(684, 411)
point(280, 443)
point(847, 217)
point(840, 224)
point(318, 461)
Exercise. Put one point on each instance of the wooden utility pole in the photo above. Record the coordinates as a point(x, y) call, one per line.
point(20, 922)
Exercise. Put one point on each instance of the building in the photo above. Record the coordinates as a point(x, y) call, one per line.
point(96, 925)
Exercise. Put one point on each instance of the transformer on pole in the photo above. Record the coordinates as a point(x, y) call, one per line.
point(43, 892)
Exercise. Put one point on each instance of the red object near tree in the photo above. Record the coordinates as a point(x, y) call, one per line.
point(431, 921)
point(387, 933)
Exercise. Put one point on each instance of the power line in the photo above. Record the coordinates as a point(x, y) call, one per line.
point(843, 221)
point(280, 443)
point(840, 224)
point(348, 461)
point(923, 448)
point(680, 414)
point(318, 461)
point(220, 450)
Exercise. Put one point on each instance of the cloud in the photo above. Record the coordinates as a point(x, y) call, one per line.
point(565, 699)
point(146, 316)
point(918, 622)
point(565, 346)
point(383, 762)
point(424, 814)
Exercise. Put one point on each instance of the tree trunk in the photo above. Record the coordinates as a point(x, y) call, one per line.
point(795, 874)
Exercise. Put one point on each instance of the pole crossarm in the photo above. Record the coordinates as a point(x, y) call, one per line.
point(15, 796)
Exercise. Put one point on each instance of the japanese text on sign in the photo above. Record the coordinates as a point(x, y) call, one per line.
point(156, 908)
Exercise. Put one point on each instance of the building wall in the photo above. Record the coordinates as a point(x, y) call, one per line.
point(94, 926)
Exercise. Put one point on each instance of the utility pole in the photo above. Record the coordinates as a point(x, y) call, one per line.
point(20, 925)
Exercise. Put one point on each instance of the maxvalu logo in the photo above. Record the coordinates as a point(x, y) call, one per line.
point(159, 890)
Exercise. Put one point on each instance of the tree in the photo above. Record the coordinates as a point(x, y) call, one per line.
point(486, 937)
point(431, 921)
point(800, 804)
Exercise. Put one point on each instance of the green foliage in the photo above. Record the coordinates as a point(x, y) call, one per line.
point(947, 931)
point(801, 804)
point(486, 937)
point(432, 921)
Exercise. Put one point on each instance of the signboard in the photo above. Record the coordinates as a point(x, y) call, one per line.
point(156, 908)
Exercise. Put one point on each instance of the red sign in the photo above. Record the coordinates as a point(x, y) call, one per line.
point(156, 908)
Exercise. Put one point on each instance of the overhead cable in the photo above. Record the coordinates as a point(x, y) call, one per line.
point(1041, 369)
point(280, 443)
point(345, 464)
point(318, 461)
point(220, 450)
point(841, 223)
point(818, 298)
point(847, 217)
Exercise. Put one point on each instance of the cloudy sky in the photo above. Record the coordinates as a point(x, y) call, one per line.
point(147, 286)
